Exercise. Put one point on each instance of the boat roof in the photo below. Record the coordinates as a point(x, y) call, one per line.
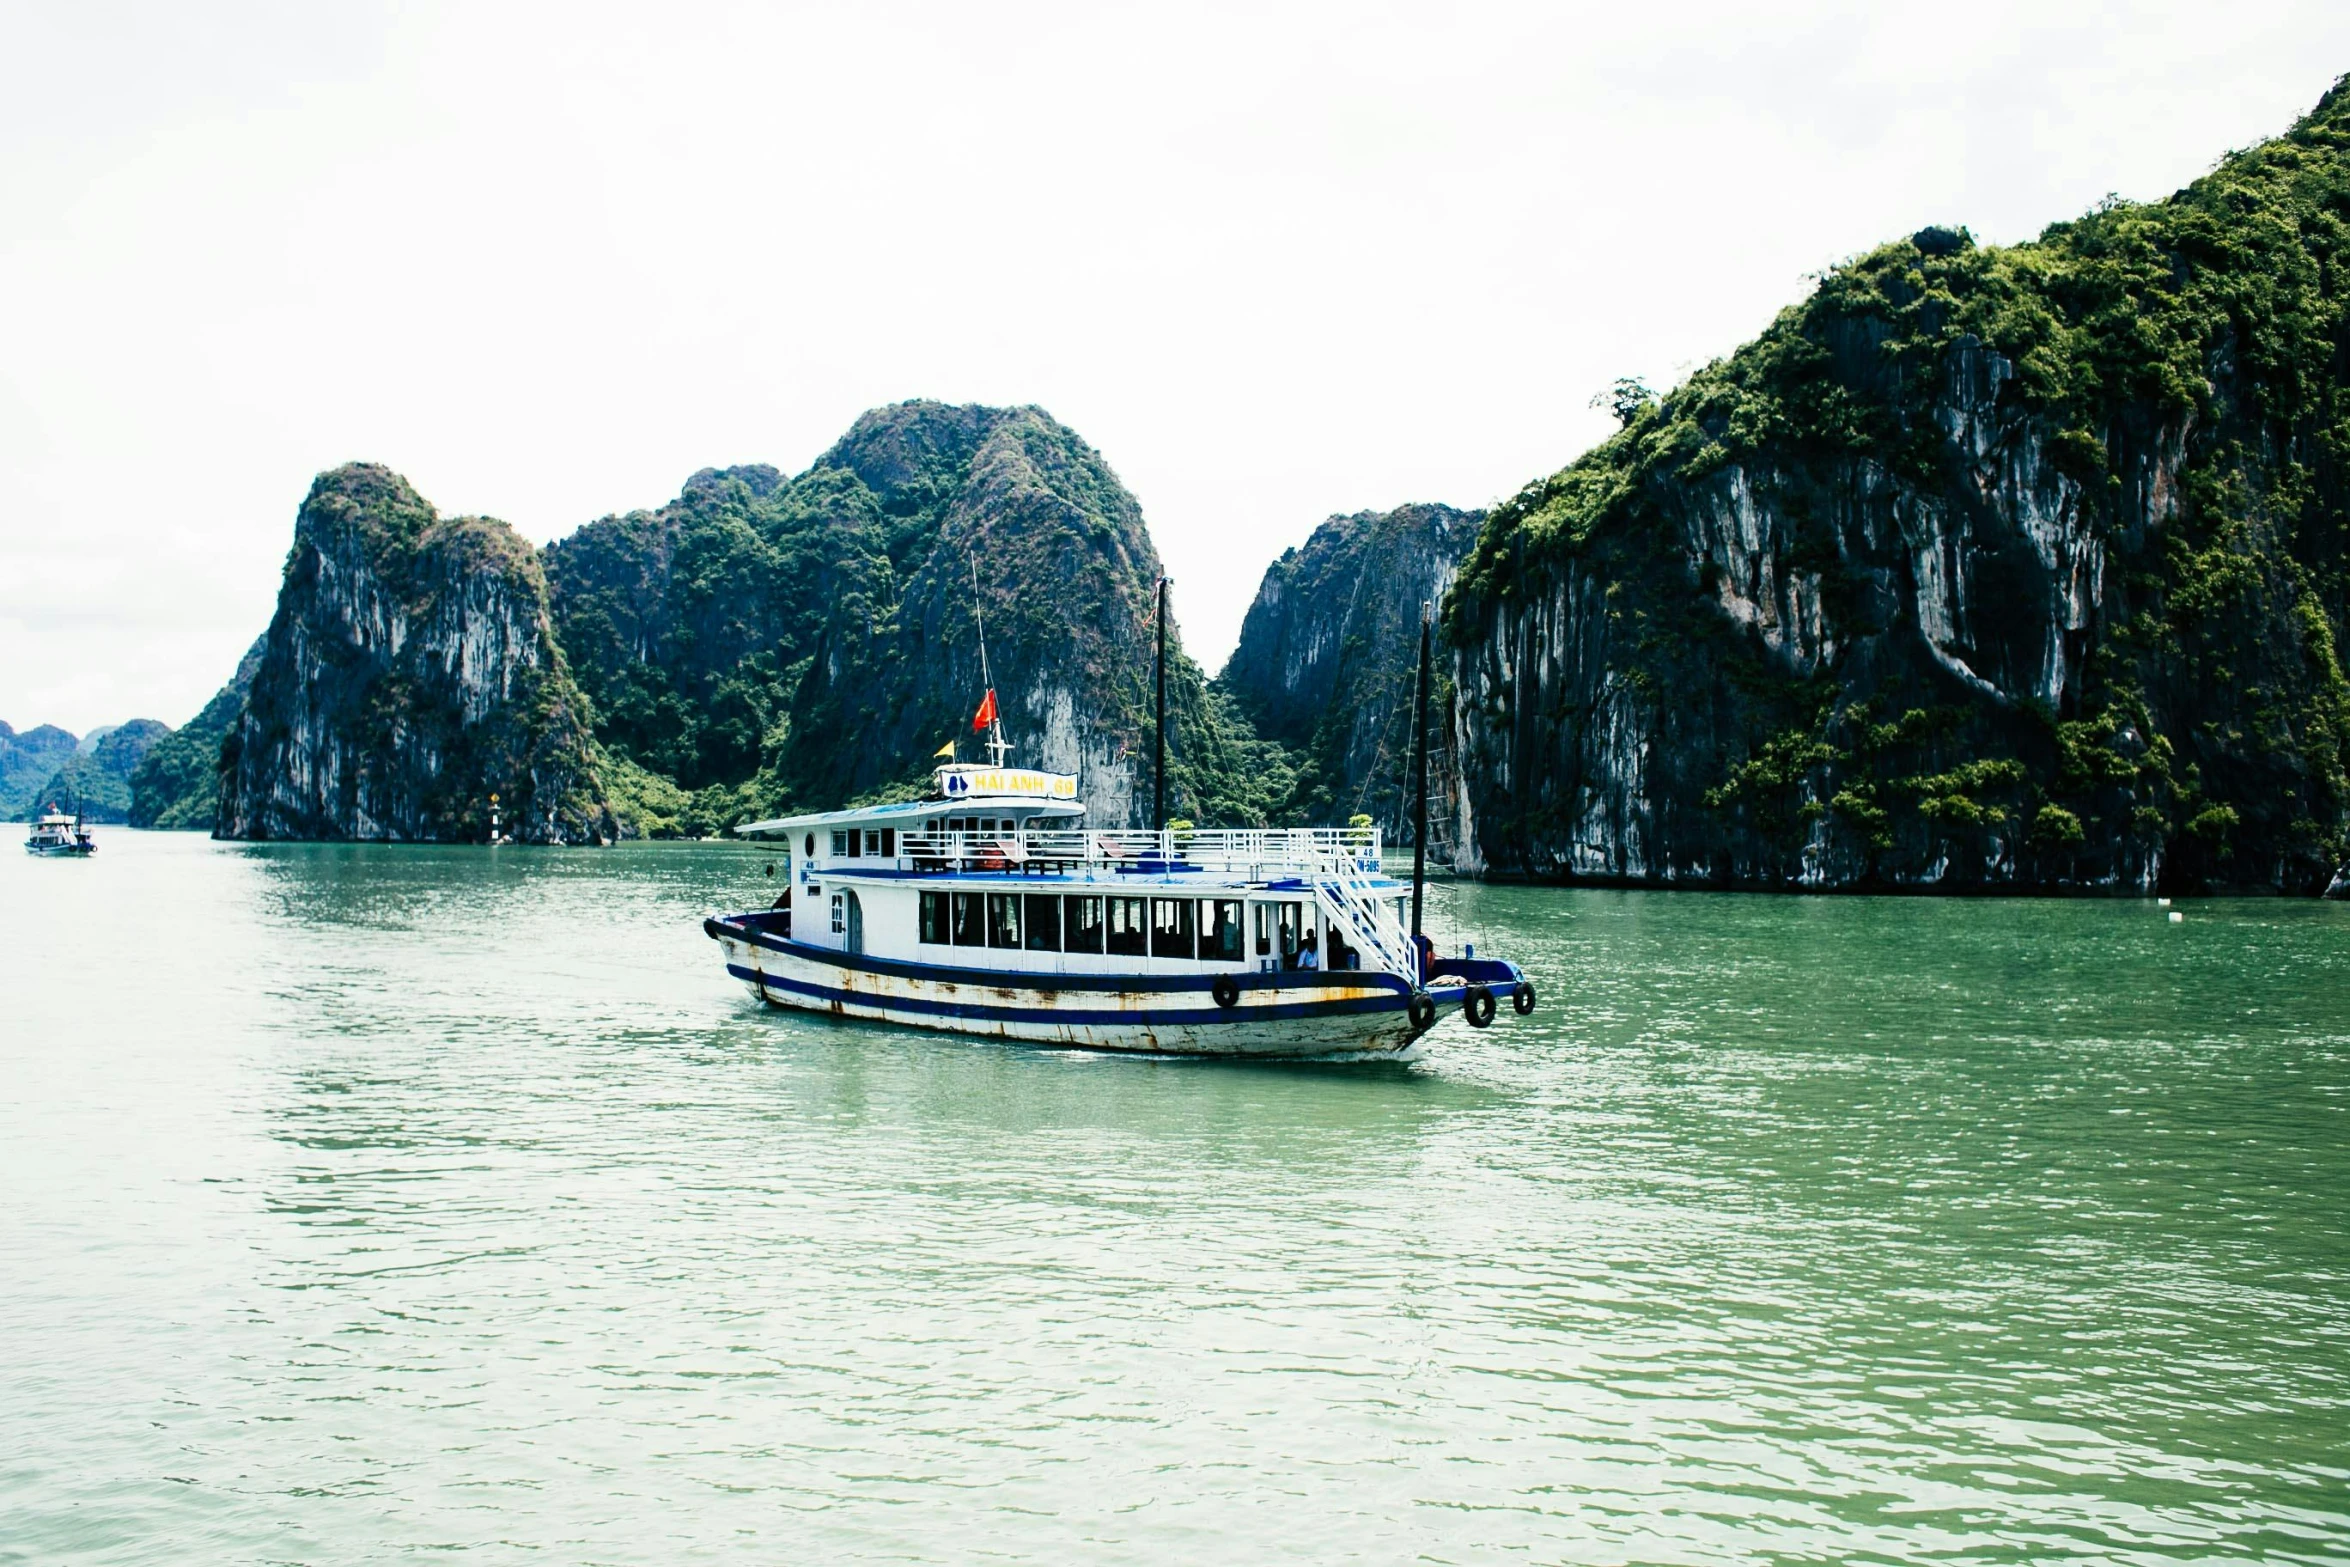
point(910, 810)
point(1199, 881)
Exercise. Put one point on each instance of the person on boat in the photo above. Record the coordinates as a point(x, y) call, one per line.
point(1307, 957)
point(1427, 953)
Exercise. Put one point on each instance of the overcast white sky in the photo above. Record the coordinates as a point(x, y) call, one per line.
point(1274, 262)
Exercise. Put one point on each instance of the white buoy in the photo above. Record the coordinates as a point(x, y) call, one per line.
point(2176, 918)
point(2163, 902)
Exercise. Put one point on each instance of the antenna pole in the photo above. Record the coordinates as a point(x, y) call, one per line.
point(1420, 782)
point(1159, 729)
point(995, 727)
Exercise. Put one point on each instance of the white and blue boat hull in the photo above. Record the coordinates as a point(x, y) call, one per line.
point(1270, 1014)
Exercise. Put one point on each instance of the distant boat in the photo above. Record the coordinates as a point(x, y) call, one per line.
point(58, 835)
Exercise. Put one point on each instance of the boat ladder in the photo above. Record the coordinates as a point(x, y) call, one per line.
point(1346, 895)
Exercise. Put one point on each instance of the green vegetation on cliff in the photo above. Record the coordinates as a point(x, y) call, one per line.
point(762, 642)
point(28, 760)
point(409, 685)
point(2015, 564)
point(177, 785)
point(97, 781)
point(1329, 653)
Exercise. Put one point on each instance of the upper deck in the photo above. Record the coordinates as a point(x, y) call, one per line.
point(1240, 854)
point(996, 825)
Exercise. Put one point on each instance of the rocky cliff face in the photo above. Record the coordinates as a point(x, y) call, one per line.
point(28, 760)
point(409, 673)
point(1980, 569)
point(1329, 650)
point(681, 623)
point(176, 785)
point(805, 641)
point(97, 778)
point(1027, 529)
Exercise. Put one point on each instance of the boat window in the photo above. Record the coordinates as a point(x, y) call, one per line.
point(854, 836)
point(1219, 935)
point(839, 917)
point(840, 845)
point(1289, 924)
point(1081, 924)
point(811, 846)
point(873, 842)
point(970, 928)
point(889, 843)
point(1264, 919)
point(1044, 922)
point(1129, 931)
point(1171, 928)
point(934, 918)
point(1003, 919)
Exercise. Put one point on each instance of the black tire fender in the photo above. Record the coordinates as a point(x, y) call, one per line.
point(1477, 1006)
point(1226, 990)
point(1523, 1001)
point(1421, 1009)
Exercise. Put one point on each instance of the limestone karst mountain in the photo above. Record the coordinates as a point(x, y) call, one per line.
point(96, 779)
point(2018, 567)
point(1328, 653)
point(812, 639)
point(1982, 567)
point(28, 760)
point(177, 784)
point(409, 675)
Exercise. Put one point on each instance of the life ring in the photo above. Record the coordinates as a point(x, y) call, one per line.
point(1478, 1006)
point(1523, 1002)
point(1421, 1009)
point(1226, 990)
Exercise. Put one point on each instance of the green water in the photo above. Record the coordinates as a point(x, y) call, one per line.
point(364, 1204)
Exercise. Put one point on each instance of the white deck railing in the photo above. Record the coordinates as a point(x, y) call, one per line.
point(1254, 852)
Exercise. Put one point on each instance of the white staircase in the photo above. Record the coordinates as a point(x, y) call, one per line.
point(1348, 900)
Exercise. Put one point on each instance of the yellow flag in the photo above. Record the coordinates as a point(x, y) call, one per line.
point(947, 750)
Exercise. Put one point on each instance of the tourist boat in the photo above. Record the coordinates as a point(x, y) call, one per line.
point(58, 834)
point(989, 908)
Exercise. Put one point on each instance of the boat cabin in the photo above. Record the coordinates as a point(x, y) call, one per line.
point(995, 872)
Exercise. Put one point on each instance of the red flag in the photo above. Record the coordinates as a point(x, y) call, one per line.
point(986, 713)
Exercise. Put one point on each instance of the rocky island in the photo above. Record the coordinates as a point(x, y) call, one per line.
point(1982, 568)
point(1329, 652)
point(47, 766)
point(764, 640)
point(409, 676)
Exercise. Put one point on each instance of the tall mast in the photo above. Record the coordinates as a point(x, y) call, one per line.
point(996, 744)
point(1420, 780)
point(1159, 728)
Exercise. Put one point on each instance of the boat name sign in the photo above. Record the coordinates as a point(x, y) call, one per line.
point(1014, 781)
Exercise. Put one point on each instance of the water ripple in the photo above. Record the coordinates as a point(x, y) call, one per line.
point(402, 1202)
